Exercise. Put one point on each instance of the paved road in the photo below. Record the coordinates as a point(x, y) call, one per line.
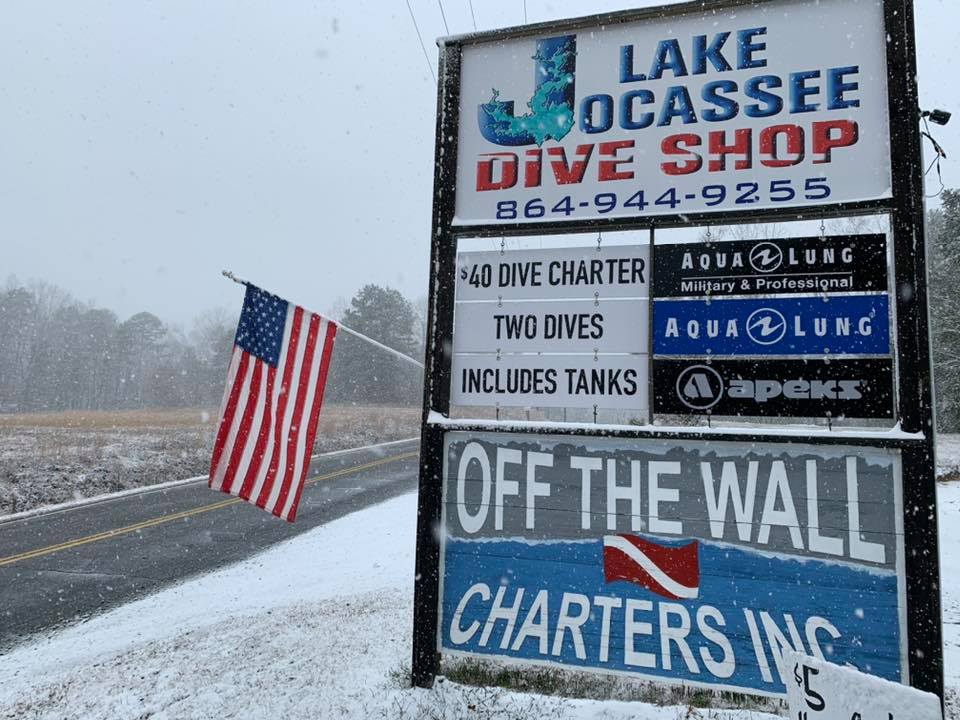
point(63, 566)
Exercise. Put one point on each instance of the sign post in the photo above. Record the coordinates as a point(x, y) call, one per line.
point(685, 115)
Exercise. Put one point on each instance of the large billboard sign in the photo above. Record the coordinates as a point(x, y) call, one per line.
point(768, 485)
point(773, 106)
point(699, 563)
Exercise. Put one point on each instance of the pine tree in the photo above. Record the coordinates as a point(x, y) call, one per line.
point(361, 373)
point(943, 237)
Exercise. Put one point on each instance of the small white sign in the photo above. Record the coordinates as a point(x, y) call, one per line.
point(617, 382)
point(819, 690)
point(564, 326)
point(613, 271)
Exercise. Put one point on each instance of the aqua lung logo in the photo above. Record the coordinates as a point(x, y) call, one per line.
point(700, 387)
point(766, 257)
point(766, 326)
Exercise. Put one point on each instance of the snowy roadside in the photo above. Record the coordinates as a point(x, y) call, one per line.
point(316, 627)
point(50, 459)
point(948, 456)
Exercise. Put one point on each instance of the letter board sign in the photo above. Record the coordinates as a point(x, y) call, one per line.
point(831, 264)
point(616, 382)
point(553, 328)
point(669, 559)
point(564, 326)
point(610, 271)
point(708, 111)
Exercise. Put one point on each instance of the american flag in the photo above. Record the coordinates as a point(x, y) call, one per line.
point(268, 420)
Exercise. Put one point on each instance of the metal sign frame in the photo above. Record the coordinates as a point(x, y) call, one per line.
point(913, 436)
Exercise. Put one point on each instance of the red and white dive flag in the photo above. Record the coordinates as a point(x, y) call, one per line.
point(268, 420)
point(667, 570)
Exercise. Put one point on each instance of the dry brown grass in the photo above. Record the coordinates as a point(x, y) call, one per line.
point(333, 417)
point(109, 419)
point(47, 458)
point(336, 420)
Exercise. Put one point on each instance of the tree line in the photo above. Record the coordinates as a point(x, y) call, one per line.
point(943, 271)
point(60, 354)
point(57, 353)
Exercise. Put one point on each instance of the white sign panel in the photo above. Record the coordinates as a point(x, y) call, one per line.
point(614, 271)
point(563, 326)
point(782, 104)
point(819, 690)
point(617, 382)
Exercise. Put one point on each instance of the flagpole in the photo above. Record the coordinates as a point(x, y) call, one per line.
point(341, 326)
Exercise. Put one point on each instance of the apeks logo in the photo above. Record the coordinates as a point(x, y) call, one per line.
point(848, 388)
point(551, 107)
point(700, 387)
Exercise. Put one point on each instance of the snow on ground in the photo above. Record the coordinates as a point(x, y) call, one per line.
point(948, 501)
point(316, 627)
point(51, 458)
point(948, 456)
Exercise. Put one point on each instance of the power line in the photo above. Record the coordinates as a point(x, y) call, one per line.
point(423, 47)
point(473, 16)
point(444, 16)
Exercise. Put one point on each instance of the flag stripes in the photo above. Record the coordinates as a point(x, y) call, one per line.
point(269, 415)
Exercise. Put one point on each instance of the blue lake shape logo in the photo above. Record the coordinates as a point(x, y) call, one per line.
point(551, 107)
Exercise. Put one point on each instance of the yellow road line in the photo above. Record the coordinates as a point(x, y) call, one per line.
point(107, 534)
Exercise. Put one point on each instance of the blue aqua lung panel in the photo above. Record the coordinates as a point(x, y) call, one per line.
point(848, 325)
point(687, 561)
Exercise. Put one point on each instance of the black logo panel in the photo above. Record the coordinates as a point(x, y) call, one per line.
point(788, 266)
point(793, 388)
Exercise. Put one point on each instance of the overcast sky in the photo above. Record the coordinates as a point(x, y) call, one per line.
point(144, 146)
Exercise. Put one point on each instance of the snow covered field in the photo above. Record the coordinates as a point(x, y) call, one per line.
point(317, 627)
point(50, 458)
